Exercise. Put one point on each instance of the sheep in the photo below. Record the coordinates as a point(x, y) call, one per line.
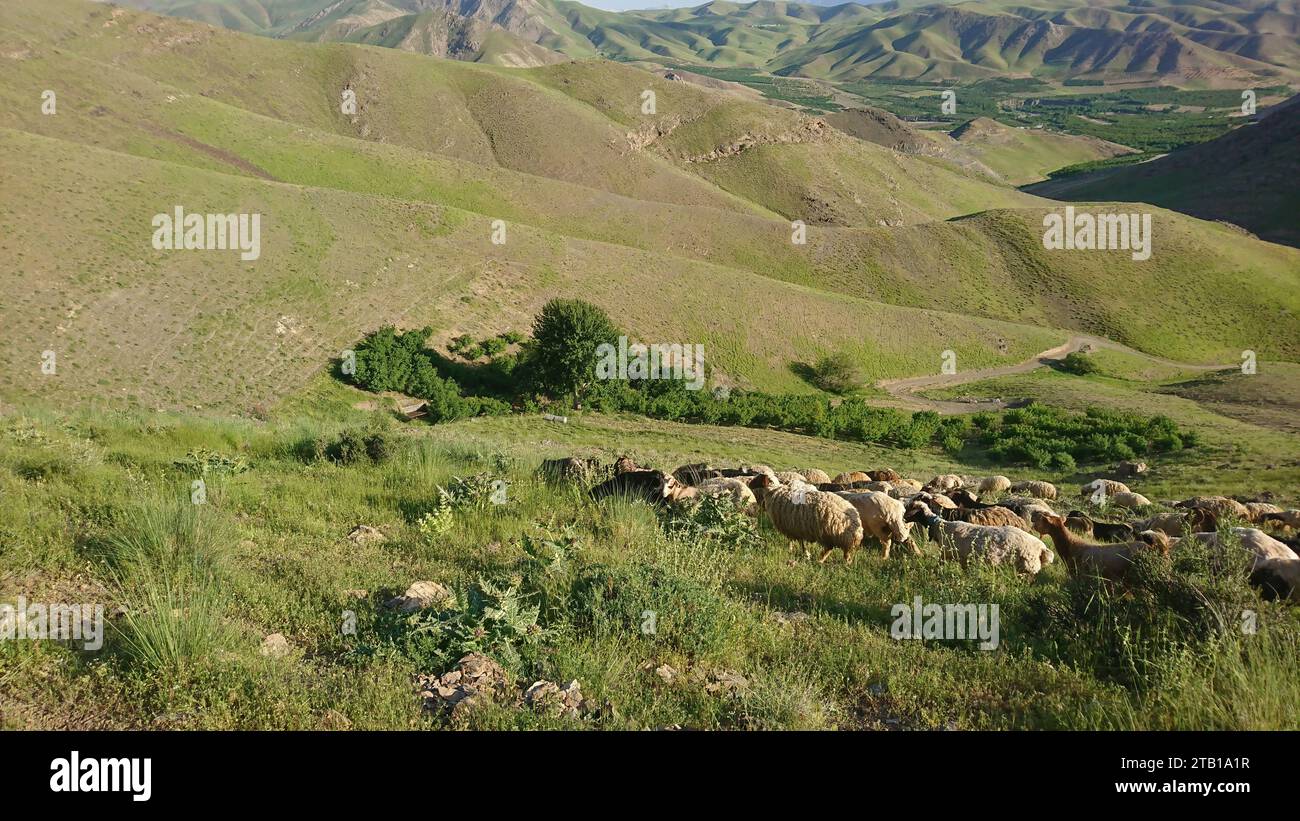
point(1106, 531)
point(944, 482)
point(992, 516)
point(1035, 488)
point(995, 545)
point(1130, 469)
point(1261, 546)
point(735, 489)
point(849, 477)
point(695, 473)
point(882, 517)
point(1111, 562)
point(1129, 500)
point(993, 485)
point(1286, 518)
point(813, 476)
point(903, 483)
point(1196, 520)
point(937, 500)
point(1277, 579)
point(833, 487)
point(624, 464)
point(789, 477)
point(645, 485)
point(966, 498)
point(1256, 511)
point(1106, 486)
point(805, 514)
point(884, 475)
point(1222, 506)
point(570, 468)
point(879, 487)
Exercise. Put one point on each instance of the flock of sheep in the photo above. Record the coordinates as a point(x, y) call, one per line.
point(990, 519)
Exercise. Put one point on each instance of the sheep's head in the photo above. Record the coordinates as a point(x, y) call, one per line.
point(917, 511)
point(670, 489)
point(1048, 521)
point(624, 464)
point(964, 498)
point(1157, 539)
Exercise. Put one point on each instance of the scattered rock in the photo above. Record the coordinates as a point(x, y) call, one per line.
point(275, 646)
point(334, 720)
point(791, 617)
point(549, 697)
point(419, 596)
point(475, 681)
point(364, 534)
point(725, 682)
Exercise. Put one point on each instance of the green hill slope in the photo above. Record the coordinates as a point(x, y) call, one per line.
point(1253, 170)
point(678, 222)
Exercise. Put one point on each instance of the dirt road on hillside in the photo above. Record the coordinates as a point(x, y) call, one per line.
point(906, 391)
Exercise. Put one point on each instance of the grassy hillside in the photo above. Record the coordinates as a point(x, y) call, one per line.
point(1022, 156)
point(686, 238)
point(771, 642)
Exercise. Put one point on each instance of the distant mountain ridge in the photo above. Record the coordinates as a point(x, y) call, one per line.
point(1212, 42)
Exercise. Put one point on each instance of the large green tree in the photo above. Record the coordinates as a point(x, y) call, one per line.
point(562, 355)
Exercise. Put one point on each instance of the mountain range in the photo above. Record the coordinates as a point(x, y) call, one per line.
point(1191, 42)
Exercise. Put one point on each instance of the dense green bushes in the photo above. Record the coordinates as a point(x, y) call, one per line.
point(559, 362)
point(390, 361)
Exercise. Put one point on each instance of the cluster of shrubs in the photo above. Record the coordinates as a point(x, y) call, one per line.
point(387, 360)
point(351, 446)
point(1049, 437)
point(560, 358)
point(490, 347)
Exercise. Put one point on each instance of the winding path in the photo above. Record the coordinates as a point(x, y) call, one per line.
point(906, 391)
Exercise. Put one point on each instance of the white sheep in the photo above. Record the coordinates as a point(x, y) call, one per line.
point(1107, 486)
point(790, 477)
point(676, 492)
point(1257, 511)
point(995, 545)
point(1035, 488)
point(1258, 544)
point(813, 476)
point(945, 482)
point(1222, 506)
point(882, 517)
point(993, 485)
point(1129, 500)
point(1286, 518)
point(805, 514)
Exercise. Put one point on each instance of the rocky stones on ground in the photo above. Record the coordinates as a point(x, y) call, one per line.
point(419, 596)
point(790, 617)
point(365, 534)
point(725, 682)
point(275, 646)
point(476, 680)
point(565, 702)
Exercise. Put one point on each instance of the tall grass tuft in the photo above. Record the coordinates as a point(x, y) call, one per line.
point(164, 560)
